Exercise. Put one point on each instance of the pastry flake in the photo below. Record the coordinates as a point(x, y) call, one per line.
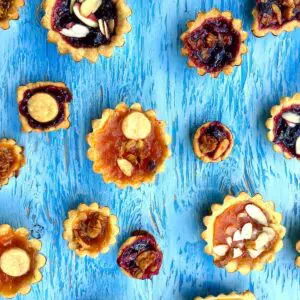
point(233, 296)
point(86, 28)
point(284, 127)
point(214, 43)
point(244, 233)
point(20, 261)
point(44, 106)
point(128, 146)
point(90, 230)
point(9, 11)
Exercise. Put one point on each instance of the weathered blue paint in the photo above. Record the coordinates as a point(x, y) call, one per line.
point(150, 69)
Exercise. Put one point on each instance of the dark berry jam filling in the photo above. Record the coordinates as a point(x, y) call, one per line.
point(60, 94)
point(213, 45)
point(63, 18)
point(286, 134)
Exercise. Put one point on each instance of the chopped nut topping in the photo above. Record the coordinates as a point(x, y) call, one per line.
point(256, 213)
point(221, 250)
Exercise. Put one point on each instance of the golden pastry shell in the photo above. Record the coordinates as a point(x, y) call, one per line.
point(243, 296)
point(65, 124)
point(118, 40)
point(268, 208)
point(40, 259)
point(13, 13)
point(237, 25)
point(270, 123)
point(68, 229)
point(98, 124)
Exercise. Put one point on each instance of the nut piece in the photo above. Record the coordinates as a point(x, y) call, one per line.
point(15, 262)
point(256, 214)
point(261, 241)
point(270, 232)
point(77, 31)
point(229, 240)
point(221, 250)
point(136, 126)
point(255, 253)
point(86, 21)
point(237, 252)
point(291, 117)
point(125, 166)
point(247, 231)
point(89, 7)
point(237, 236)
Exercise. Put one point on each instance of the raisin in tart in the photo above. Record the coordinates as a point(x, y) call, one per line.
point(275, 16)
point(284, 127)
point(86, 28)
point(12, 159)
point(44, 106)
point(128, 146)
point(214, 43)
point(140, 256)
point(297, 262)
point(213, 142)
point(20, 261)
point(9, 11)
point(244, 233)
point(233, 296)
point(90, 230)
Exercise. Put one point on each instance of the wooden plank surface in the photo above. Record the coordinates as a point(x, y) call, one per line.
point(150, 69)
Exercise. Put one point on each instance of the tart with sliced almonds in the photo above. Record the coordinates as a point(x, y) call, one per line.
point(213, 142)
point(140, 257)
point(233, 296)
point(90, 230)
point(275, 16)
point(44, 106)
point(214, 43)
point(297, 262)
point(20, 261)
point(86, 28)
point(128, 146)
point(9, 10)
point(284, 127)
point(244, 233)
point(12, 159)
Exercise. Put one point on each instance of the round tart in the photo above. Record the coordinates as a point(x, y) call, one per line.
point(90, 230)
point(20, 261)
point(128, 146)
point(214, 43)
point(298, 258)
point(213, 142)
point(9, 11)
point(244, 233)
point(12, 159)
point(275, 16)
point(233, 296)
point(44, 106)
point(284, 127)
point(86, 28)
point(140, 256)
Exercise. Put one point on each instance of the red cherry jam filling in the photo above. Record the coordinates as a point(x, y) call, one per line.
point(142, 258)
point(87, 36)
point(213, 45)
point(60, 94)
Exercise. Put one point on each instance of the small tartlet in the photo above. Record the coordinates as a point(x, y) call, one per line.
point(12, 159)
point(247, 295)
point(237, 245)
point(235, 38)
point(20, 261)
point(90, 230)
point(9, 12)
point(297, 261)
point(128, 146)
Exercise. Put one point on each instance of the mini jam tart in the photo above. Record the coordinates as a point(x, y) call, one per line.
point(213, 43)
point(284, 127)
point(213, 142)
point(44, 106)
point(90, 230)
point(12, 159)
point(140, 256)
point(86, 28)
point(297, 262)
point(9, 11)
point(275, 16)
point(233, 296)
point(243, 233)
point(129, 146)
point(20, 261)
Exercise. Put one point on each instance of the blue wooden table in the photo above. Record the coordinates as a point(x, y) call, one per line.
point(149, 69)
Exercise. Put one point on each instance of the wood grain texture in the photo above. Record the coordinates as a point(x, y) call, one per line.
point(150, 69)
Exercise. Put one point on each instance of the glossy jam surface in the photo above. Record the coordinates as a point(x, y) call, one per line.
point(9, 284)
point(213, 45)
point(142, 258)
point(4, 7)
point(63, 18)
point(286, 134)
point(7, 160)
point(60, 94)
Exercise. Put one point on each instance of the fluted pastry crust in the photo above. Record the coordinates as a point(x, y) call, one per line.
point(297, 262)
point(232, 296)
point(12, 14)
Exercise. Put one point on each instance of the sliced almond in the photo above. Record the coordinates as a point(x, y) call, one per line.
point(237, 236)
point(15, 262)
point(230, 230)
point(229, 240)
point(291, 117)
point(237, 252)
point(261, 241)
point(89, 7)
point(125, 166)
point(270, 232)
point(297, 146)
point(221, 148)
point(256, 214)
point(104, 28)
point(77, 31)
point(221, 250)
point(72, 2)
point(247, 231)
point(86, 21)
point(255, 253)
